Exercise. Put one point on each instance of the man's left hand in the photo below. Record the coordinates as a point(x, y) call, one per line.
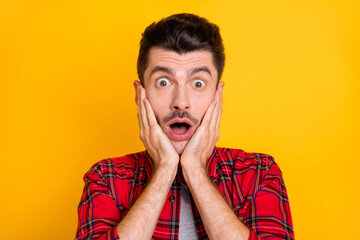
point(202, 143)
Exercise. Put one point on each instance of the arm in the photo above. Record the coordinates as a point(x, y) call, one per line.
point(268, 214)
point(219, 220)
point(136, 224)
point(102, 217)
point(98, 211)
point(140, 221)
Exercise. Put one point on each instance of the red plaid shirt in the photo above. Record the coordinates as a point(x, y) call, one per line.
point(250, 183)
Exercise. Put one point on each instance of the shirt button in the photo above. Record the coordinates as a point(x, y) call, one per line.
point(172, 199)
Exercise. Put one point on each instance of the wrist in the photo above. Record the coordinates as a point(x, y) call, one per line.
point(165, 168)
point(192, 164)
point(194, 173)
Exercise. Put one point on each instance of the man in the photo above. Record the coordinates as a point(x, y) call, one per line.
point(183, 187)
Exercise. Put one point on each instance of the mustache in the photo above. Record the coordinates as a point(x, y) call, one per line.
point(180, 114)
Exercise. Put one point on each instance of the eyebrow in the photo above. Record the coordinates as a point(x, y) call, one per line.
point(171, 72)
point(162, 69)
point(199, 69)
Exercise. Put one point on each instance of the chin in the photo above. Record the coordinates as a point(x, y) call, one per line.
point(179, 146)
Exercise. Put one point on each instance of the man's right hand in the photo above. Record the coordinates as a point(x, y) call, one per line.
point(158, 145)
point(140, 221)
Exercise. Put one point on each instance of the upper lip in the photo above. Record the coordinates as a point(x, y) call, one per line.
point(181, 120)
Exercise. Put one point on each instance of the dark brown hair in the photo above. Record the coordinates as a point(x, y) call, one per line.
point(182, 33)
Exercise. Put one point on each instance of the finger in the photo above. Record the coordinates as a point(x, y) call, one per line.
point(209, 113)
point(218, 99)
point(137, 99)
point(141, 124)
point(215, 115)
point(143, 113)
point(144, 127)
point(220, 107)
point(139, 119)
point(150, 113)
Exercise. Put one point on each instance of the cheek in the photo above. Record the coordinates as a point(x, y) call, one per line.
point(202, 105)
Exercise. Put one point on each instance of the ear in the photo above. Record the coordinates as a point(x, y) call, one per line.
point(221, 84)
point(137, 84)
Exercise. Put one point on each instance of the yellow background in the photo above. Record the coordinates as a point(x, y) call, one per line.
point(66, 99)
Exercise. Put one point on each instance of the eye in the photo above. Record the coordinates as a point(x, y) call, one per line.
point(163, 82)
point(198, 83)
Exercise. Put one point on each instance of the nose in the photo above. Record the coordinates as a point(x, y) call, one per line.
point(181, 99)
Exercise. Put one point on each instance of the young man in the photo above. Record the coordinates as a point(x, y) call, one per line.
point(182, 186)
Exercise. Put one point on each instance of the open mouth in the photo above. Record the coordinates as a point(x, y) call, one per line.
point(180, 127)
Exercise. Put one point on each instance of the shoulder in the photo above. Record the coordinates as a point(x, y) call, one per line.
point(122, 166)
point(245, 164)
point(247, 171)
point(241, 157)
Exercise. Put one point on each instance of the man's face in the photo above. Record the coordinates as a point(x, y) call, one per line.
point(180, 89)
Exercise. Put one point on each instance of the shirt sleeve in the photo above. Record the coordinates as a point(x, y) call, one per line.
point(98, 213)
point(268, 215)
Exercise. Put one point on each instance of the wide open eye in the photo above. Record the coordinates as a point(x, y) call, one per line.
point(198, 83)
point(163, 82)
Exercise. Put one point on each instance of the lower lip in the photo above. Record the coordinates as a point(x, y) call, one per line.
point(180, 137)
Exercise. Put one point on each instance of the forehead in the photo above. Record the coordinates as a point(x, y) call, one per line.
point(159, 57)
